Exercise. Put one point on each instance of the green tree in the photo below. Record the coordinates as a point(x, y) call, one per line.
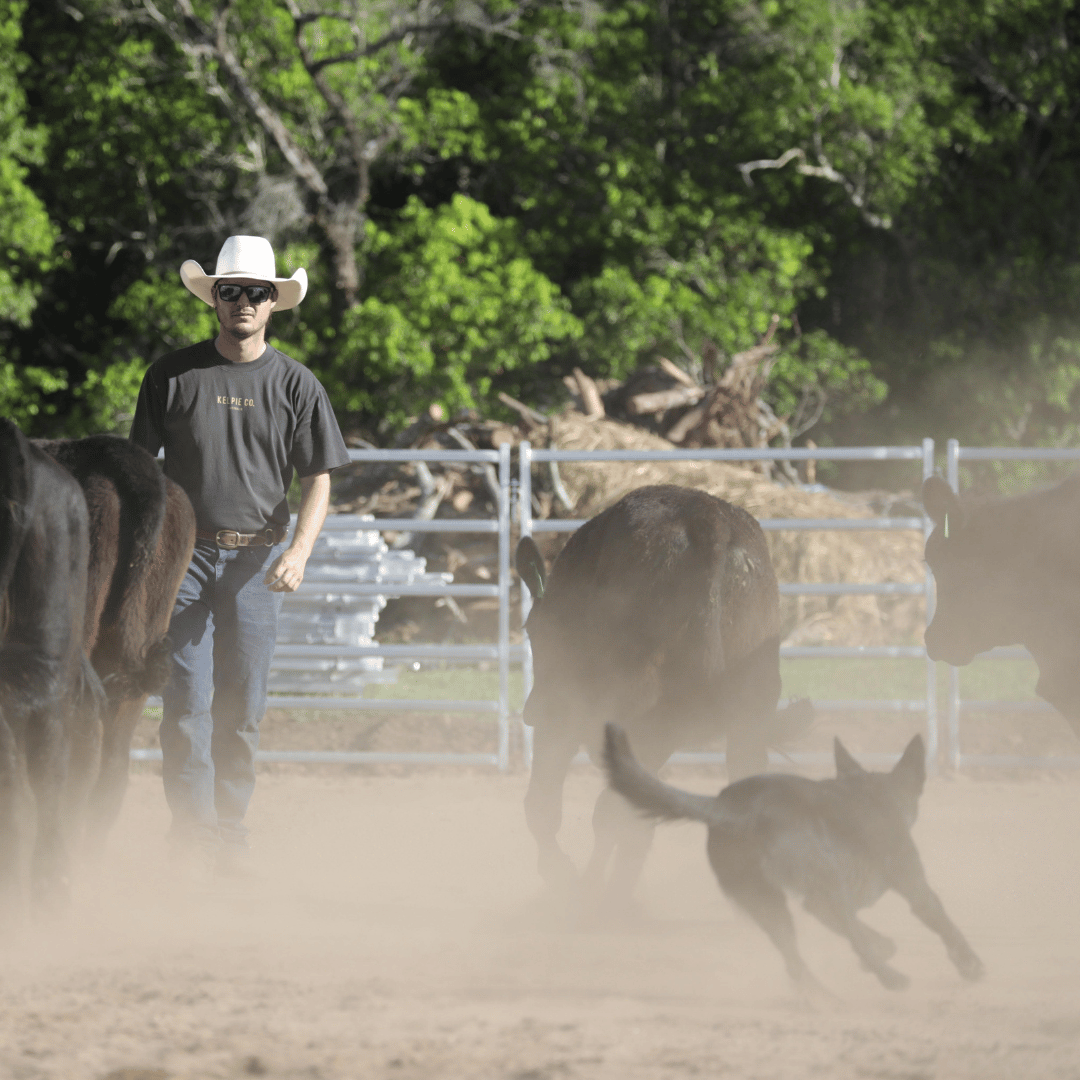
point(27, 236)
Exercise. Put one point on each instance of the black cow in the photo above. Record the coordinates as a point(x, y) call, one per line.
point(142, 531)
point(50, 697)
point(661, 614)
point(1007, 572)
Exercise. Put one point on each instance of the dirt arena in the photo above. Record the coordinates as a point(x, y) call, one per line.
point(397, 930)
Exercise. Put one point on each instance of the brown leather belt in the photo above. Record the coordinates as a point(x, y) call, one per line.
point(230, 538)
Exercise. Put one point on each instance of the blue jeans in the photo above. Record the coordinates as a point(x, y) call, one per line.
point(222, 633)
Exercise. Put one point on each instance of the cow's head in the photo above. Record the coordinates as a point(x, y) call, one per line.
point(979, 589)
point(546, 642)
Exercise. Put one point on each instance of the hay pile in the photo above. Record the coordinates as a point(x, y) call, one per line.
point(798, 556)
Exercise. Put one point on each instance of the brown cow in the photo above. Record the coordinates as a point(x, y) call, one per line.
point(142, 532)
point(1007, 572)
point(50, 698)
point(661, 614)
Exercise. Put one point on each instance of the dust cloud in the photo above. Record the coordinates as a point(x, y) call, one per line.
point(397, 928)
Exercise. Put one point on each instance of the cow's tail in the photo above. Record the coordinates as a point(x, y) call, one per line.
point(650, 795)
point(141, 488)
point(149, 678)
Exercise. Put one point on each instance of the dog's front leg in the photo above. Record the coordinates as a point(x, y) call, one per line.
point(910, 882)
point(872, 948)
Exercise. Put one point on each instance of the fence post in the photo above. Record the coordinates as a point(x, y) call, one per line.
point(931, 667)
point(952, 476)
point(525, 527)
point(504, 607)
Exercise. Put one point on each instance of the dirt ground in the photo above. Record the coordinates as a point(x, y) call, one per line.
point(396, 929)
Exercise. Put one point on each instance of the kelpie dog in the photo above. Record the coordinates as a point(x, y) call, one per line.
point(840, 844)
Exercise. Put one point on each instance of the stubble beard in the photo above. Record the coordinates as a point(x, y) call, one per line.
point(242, 333)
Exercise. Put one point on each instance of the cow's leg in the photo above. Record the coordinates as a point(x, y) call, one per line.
point(749, 710)
point(47, 767)
point(909, 880)
point(107, 795)
point(553, 750)
point(620, 830)
point(10, 837)
point(85, 739)
point(747, 751)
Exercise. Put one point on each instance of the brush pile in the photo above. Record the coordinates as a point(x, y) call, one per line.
point(657, 409)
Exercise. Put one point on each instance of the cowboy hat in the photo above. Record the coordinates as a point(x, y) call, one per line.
point(245, 257)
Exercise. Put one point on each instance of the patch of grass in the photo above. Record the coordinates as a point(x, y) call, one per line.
point(1007, 680)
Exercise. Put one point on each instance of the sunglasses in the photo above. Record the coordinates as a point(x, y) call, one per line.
point(257, 294)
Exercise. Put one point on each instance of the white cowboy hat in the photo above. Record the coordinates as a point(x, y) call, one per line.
point(245, 257)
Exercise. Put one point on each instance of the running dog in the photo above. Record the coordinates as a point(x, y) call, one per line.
point(840, 844)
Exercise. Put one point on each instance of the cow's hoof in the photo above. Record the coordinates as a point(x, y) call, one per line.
point(558, 870)
point(969, 966)
point(892, 979)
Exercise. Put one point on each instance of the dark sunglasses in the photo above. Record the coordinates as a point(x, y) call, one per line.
point(257, 294)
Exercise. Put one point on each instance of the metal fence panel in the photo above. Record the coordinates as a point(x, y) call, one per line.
point(299, 657)
point(923, 454)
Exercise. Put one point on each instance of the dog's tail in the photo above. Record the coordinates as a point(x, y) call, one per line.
point(651, 796)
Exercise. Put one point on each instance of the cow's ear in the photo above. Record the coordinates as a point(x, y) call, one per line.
point(940, 502)
point(910, 771)
point(846, 765)
point(530, 566)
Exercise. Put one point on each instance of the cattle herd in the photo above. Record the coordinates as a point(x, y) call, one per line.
point(94, 542)
point(660, 615)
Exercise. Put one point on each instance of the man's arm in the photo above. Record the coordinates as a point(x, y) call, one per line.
point(147, 425)
point(287, 571)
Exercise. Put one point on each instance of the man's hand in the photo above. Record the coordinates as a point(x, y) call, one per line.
point(287, 571)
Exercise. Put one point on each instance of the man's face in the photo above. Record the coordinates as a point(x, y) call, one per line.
point(240, 318)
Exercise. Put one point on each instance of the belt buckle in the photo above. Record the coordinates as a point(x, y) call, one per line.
point(226, 543)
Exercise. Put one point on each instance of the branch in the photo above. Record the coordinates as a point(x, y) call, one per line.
point(406, 30)
point(824, 171)
point(216, 44)
point(359, 146)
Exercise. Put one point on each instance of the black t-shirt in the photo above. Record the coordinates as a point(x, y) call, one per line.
point(234, 432)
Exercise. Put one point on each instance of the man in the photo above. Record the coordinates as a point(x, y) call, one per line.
point(236, 417)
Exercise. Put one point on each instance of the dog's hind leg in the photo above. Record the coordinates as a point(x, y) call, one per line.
point(743, 881)
point(909, 880)
point(872, 948)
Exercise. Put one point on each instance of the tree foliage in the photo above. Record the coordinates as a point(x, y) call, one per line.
point(487, 193)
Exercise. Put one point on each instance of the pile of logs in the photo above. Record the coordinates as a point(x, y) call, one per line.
point(727, 410)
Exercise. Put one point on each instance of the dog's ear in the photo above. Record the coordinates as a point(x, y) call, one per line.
point(909, 772)
point(530, 566)
point(846, 765)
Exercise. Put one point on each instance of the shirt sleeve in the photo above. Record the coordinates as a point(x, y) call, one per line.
point(148, 425)
point(318, 445)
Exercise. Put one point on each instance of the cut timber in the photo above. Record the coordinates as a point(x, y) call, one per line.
point(677, 373)
point(590, 396)
point(531, 417)
point(656, 402)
